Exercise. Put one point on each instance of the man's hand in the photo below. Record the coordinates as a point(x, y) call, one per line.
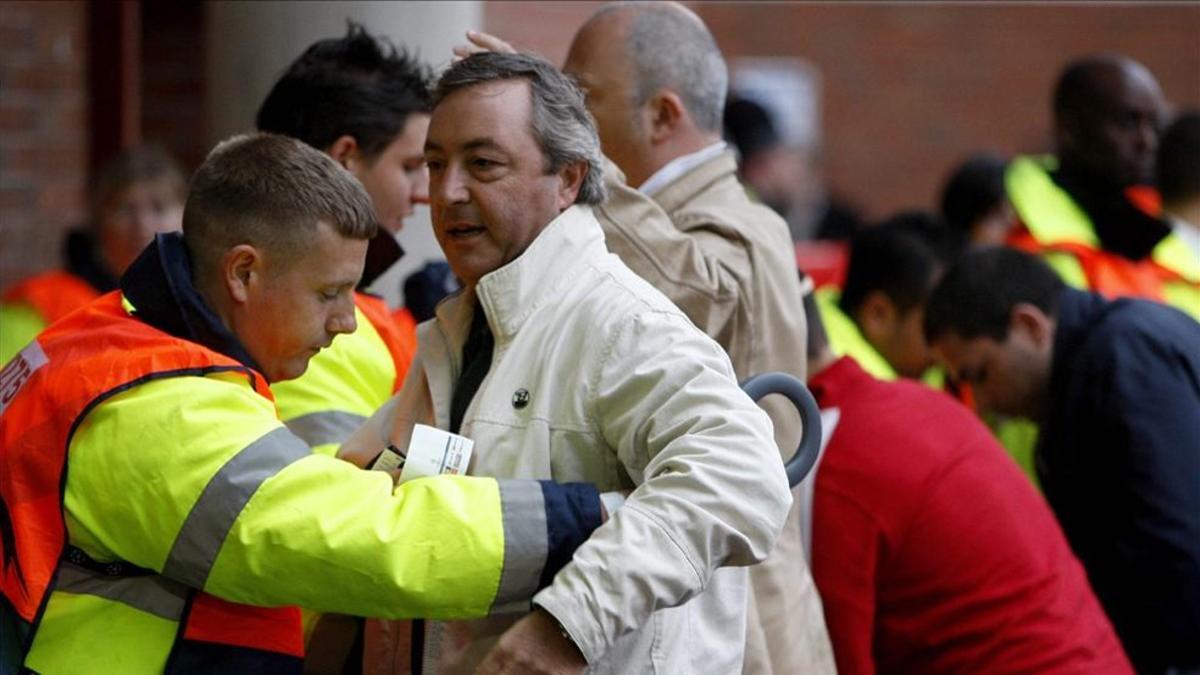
point(482, 42)
point(536, 646)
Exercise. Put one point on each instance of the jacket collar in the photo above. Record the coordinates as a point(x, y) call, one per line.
point(685, 188)
point(680, 166)
point(510, 294)
point(159, 286)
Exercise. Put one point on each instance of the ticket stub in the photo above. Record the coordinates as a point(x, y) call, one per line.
point(433, 452)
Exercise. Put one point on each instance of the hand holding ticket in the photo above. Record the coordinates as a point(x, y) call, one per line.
point(431, 452)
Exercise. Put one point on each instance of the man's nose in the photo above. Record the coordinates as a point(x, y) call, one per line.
point(451, 187)
point(342, 319)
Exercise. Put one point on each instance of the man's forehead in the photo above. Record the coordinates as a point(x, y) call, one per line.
point(467, 111)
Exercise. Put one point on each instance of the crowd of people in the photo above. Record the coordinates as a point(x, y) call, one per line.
point(205, 415)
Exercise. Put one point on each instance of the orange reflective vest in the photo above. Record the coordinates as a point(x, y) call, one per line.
point(1106, 273)
point(53, 294)
point(46, 391)
point(406, 323)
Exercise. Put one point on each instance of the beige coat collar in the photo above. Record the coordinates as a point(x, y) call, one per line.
point(510, 294)
point(684, 189)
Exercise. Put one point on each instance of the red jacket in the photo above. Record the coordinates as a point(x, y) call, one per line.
point(932, 553)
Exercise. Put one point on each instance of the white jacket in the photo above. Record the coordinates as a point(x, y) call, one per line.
point(625, 393)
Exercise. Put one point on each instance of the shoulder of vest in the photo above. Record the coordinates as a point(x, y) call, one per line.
point(1049, 213)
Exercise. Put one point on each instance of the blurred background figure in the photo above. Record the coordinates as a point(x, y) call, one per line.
point(1178, 172)
point(136, 195)
point(1091, 211)
point(785, 176)
point(974, 202)
point(877, 315)
point(774, 172)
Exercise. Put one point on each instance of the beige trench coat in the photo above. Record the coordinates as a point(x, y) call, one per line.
point(729, 264)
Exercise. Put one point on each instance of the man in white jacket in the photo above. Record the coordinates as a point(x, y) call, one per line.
point(562, 363)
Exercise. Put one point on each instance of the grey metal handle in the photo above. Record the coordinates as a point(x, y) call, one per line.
point(759, 386)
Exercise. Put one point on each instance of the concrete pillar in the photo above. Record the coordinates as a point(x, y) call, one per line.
point(251, 43)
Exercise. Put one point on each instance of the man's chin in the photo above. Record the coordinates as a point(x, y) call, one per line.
point(291, 371)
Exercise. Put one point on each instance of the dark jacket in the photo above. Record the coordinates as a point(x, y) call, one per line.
point(1119, 459)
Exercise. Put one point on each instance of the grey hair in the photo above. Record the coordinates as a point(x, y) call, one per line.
point(671, 48)
point(561, 124)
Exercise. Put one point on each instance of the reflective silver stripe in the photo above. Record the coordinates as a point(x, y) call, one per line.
point(525, 545)
point(328, 426)
point(153, 594)
point(205, 528)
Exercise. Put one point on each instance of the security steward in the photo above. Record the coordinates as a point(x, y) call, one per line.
point(156, 516)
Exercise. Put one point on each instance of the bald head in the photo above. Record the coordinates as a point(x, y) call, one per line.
point(1107, 114)
point(625, 55)
point(670, 47)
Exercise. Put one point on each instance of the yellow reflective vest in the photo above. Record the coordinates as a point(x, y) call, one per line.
point(190, 476)
point(1064, 235)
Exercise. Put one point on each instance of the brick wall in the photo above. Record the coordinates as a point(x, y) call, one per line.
point(43, 131)
point(908, 90)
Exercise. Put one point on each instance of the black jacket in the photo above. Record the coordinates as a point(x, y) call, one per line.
point(1119, 459)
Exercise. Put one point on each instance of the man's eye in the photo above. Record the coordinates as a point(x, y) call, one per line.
point(434, 164)
point(484, 163)
point(329, 296)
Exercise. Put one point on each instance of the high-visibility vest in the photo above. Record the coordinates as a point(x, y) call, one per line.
point(27, 308)
point(348, 381)
point(45, 394)
point(1054, 226)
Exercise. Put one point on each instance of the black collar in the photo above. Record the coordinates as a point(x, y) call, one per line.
point(159, 284)
point(1122, 228)
point(383, 251)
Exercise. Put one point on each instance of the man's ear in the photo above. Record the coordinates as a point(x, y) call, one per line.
point(1032, 322)
point(666, 111)
point(344, 151)
point(241, 272)
point(877, 316)
point(570, 181)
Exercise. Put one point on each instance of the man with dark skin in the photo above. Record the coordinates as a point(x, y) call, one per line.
point(1092, 214)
